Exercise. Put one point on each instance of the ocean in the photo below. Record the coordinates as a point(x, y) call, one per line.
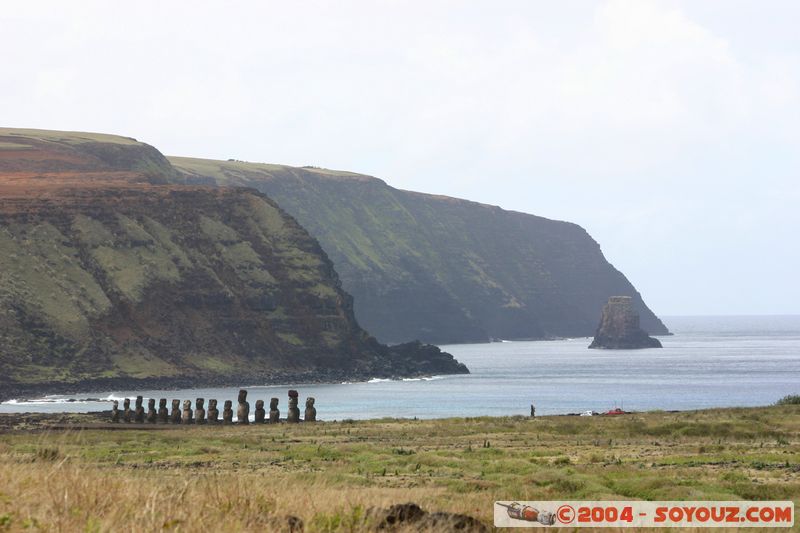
point(708, 362)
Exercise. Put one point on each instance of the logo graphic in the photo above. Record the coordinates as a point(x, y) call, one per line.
point(517, 511)
point(638, 514)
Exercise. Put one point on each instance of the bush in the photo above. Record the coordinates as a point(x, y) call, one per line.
point(791, 399)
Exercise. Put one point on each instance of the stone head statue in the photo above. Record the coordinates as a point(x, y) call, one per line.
point(199, 411)
point(176, 412)
point(259, 412)
point(293, 413)
point(187, 412)
point(274, 413)
point(311, 411)
point(163, 413)
point(139, 412)
point(243, 412)
point(227, 412)
point(213, 413)
point(115, 411)
point(151, 411)
point(127, 414)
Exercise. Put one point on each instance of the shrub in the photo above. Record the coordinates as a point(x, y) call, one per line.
point(791, 399)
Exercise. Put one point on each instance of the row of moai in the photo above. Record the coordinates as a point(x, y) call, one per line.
point(200, 416)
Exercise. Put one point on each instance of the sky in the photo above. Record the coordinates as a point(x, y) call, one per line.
point(669, 130)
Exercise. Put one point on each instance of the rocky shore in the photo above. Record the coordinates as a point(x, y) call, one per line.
point(410, 360)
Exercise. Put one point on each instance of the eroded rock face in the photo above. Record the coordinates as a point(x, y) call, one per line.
point(458, 271)
point(619, 327)
point(91, 229)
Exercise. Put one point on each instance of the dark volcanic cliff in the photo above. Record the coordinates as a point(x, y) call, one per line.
point(440, 269)
point(106, 277)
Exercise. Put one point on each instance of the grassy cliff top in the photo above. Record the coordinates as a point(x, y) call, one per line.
point(66, 137)
point(225, 171)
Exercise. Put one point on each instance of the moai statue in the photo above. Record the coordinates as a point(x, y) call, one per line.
point(115, 412)
point(176, 412)
point(127, 414)
point(260, 413)
point(213, 412)
point(199, 411)
point(138, 414)
point(311, 411)
point(227, 412)
point(187, 412)
point(151, 411)
point(274, 413)
point(163, 412)
point(243, 412)
point(533, 411)
point(293, 413)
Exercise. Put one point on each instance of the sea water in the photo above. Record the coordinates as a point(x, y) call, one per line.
point(708, 362)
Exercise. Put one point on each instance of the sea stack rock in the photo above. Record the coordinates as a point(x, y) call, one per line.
point(619, 327)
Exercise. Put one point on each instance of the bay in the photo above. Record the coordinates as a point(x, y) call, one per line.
point(708, 362)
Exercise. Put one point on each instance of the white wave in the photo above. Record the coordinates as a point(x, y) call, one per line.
point(378, 380)
point(111, 398)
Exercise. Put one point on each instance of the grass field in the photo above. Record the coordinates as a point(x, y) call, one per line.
point(334, 476)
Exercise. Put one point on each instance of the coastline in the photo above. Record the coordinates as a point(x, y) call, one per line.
point(23, 392)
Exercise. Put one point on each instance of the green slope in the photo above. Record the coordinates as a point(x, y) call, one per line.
point(111, 276)
point(435, 268)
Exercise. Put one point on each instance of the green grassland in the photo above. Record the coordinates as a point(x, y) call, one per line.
point(334, 475)
point(66, 137)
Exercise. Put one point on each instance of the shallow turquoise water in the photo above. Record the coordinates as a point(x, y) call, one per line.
point(709, 362)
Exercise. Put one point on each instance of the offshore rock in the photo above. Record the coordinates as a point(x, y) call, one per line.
point(619, 327)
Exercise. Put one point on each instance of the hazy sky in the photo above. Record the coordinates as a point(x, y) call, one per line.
point(669, 130)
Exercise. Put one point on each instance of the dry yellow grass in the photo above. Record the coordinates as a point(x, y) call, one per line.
point(334, 475)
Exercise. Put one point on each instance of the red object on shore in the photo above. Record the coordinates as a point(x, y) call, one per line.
point(616, 411)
